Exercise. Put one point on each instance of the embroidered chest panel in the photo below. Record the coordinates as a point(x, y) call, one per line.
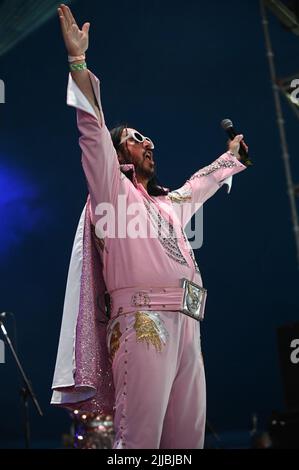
point(191, 252)
point(165, 233)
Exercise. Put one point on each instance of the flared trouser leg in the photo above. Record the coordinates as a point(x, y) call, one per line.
point(185, 419)
point(159, 381)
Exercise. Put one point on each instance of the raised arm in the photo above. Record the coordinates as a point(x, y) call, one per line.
point(76, 42)
point(206, 181)
point(99, 158)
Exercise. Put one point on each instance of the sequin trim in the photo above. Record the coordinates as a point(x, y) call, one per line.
point(100, 242)
point(150, 329)
point(166, 234)
point(181, 195)
point(191, 252)
point(220, 163)
point(194, 260)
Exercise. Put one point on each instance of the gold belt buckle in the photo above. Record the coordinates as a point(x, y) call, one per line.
point(194, 299)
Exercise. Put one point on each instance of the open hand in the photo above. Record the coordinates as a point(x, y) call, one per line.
point(76, 40)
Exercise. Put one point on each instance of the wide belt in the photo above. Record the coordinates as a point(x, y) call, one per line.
point(189, 299)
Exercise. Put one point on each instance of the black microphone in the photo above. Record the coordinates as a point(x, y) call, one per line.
point(228, 126)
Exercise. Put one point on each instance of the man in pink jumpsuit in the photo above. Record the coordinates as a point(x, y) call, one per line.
point(158, 371)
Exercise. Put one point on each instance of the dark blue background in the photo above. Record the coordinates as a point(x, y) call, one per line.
point(173, 70)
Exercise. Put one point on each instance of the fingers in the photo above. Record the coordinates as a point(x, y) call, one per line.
point(68, 21)
point(234, 144)
point(63, 17)
point(85, 28)
point(239, 137)
point(63, 22)
point(60, 13)
point(73, 21)
point(244, 144)
point(67, 15)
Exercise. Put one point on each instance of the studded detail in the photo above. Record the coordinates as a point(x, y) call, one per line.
point(166, 234)
point(191, 252)
point(220, 163)
point(194, 261)
point(181, 195)
point(140, 299)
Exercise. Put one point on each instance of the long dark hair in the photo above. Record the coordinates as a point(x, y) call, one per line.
point(153, 186)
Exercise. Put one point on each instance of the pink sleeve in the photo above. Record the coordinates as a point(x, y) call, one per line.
point(204, 184)
point(99, 158)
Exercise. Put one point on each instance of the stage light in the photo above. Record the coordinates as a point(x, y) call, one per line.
point(20, 211)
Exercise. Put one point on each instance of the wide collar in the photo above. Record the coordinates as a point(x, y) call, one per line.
point(129, 170)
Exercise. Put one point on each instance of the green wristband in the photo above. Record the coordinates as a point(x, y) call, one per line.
point(78, 67)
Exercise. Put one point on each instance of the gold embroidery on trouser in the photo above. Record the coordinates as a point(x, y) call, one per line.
point(114, 341)
point(147, 331)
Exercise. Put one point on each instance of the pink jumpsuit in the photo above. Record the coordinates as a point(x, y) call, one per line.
point(158, 371)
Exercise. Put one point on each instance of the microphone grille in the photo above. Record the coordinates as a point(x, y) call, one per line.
point(226, 124)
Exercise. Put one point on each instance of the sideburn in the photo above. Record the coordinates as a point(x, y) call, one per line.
point(125, 155)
